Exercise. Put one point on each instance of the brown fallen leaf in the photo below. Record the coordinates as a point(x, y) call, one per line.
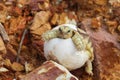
point(63, 18)
point(7, 63)
point(13, 25)
point(40, 18)
point(100, 2)
point(115, 3)
point(112, 25)
point(54, 19)
point(118, 39)
point(22, 23)
point(95, 23)
point(28, 67)
point(42, 29)
point(2, 69)
point(1, 60)
point(44, 5)
point(23, 2)
point(118, 28)
point(3, 13)
point(17, 67)
point(72, 15)
point(2, 47)
point(16, 24)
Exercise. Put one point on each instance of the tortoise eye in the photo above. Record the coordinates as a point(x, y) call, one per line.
point(68, 31)
point(60, 30)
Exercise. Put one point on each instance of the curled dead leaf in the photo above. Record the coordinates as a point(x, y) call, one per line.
point(39, 31)
point(28, 67)
point(43, 5)
point(54, 19)
point(100, 2)
point(2, 69)
point(2, 47)
point(118, 39)
point(63, 18)
point(40, 18)
point(115, 3)
point(3, 13)
point(1, 58)
point(118, 28)
point(23, 2)
point(17, 67)
point(112, 25)
point(7, 62)
point(95, 23)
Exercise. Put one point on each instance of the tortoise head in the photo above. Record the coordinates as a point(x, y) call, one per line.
point(65, 32)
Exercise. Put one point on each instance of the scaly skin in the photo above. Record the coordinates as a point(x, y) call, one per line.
point(65, 32)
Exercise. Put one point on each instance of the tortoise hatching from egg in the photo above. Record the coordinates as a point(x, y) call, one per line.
point(59, 44)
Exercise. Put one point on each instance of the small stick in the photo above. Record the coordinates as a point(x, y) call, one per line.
point(21, 42)
point(20, 45)
point(4, 33)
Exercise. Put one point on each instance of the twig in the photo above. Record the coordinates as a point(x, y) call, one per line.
point(20, 45)
point(4, 33)
point(21, 42)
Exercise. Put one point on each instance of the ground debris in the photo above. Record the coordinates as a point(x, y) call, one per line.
point(2, 47)
point(28, 67)
point(17, 67)
point(15, 15)
point(40, 18)
point(112, 25)
point(96, 23)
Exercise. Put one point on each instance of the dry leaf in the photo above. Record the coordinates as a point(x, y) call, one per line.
point(13, 25)
point(39, 31)
point(17, 67)
point(7, 63)
point(118, 28)
point(23, 2)
point(2, 46)
point(1, 57)
point(40, 18)
point(118, 39)
point(63, 18)
point(2, 69)
point(115, 3)
point(28, 67)
point(1, 60)
point(112, 25)
point(100, 2)
point(22, 23)
point(54, 19)
point(3, 13)
point(43, 5)
point(95, 23)
point(17, 23)
point(72, 15)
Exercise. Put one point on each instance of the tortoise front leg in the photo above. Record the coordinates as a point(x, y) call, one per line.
point(50, 35)
point(78, 41)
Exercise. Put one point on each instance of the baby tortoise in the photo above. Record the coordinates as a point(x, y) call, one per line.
point(81, 43)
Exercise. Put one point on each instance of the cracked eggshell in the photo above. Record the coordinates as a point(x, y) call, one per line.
point(65, 52)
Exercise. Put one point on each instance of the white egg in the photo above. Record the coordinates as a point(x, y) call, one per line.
point(65, 52)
